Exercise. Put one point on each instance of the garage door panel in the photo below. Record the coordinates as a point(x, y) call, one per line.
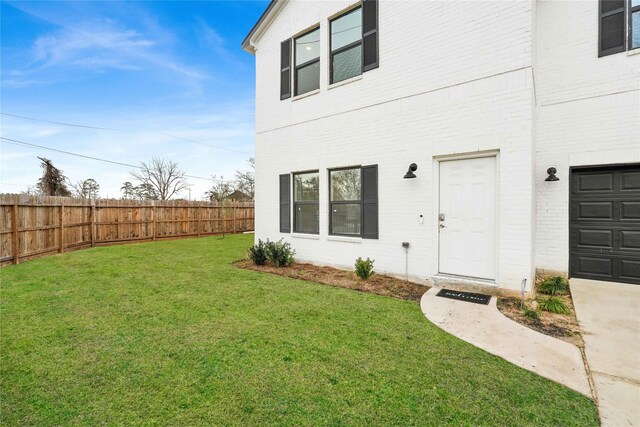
point(630, 270)
point(595, 182)
point(629, 240)
point(604, 223)
point(600, 265)
point(595, 210)
point(630, 210)
point(630, 181)
point(595, 238)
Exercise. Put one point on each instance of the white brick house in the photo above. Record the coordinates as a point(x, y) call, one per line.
point(484, 97)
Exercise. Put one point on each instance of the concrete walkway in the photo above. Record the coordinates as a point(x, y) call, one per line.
point(609, 316)
point(485, 327)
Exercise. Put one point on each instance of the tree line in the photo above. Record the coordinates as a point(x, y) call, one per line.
point(158, 179)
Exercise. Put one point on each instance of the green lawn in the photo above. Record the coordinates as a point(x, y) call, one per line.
point(170, 333)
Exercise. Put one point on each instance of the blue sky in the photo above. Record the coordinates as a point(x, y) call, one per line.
point(143, 71)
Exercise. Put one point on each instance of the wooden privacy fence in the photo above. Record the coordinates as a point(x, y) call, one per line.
point(36, 226)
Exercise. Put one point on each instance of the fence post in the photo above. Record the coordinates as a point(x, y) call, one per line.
point(153, 218)
point(198, 223)
point(61, 229)
point(14, 226)
point(93, 223)
point(234, 220)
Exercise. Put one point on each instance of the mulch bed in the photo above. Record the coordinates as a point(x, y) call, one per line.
point(561, 326)
point(378, 284)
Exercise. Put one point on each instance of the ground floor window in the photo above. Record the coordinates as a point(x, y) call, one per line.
point(346, 202)
point(306, 203)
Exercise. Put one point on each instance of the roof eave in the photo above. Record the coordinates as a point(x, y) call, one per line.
point(248, 43)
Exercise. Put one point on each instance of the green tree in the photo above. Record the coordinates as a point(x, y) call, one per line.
point(87, 189)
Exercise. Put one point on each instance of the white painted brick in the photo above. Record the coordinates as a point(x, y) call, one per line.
point(518, 77)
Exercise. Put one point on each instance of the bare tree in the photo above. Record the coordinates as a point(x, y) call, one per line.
point(87, 189)
point(220, 190)
point(163, 176)
point(52, 182)
point(246, 180)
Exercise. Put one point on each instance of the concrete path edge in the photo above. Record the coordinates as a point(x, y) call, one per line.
point(485, 327)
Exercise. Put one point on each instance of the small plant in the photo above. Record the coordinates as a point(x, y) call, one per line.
point(280, 253)
point(553, 305)
point(554, 285)
point(530, 313)
point(364, 268)
point(258, 253)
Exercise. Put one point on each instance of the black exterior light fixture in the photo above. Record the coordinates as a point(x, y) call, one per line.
point(410, 173)
point(552, 174)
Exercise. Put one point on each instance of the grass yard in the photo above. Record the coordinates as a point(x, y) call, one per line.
point(170, 333)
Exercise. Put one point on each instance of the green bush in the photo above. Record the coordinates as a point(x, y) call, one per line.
point(530, 313)
point(258, 253)
point(280, 253)
point(553, 305)
point(364, 268)
point(554, 285)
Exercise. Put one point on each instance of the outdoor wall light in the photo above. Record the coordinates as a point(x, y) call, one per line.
point(410, 173)
point(552, 174)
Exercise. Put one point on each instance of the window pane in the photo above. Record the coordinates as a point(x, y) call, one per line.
point(345, 185)
point(305, 187)
point(345, 219)
point(308, 78)
point(308, 47)
point(346, 29)
point(609, 5)
point(635, 30)
point(612, 31)
point(347, 64)
point(306, 218)
point(635, 3)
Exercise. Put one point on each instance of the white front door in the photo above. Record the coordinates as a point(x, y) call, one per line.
point(467, 221)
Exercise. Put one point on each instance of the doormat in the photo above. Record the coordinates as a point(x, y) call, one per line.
point(464, 296)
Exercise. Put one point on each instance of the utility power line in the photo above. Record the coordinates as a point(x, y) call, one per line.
point(31, 145)
point(121, 130)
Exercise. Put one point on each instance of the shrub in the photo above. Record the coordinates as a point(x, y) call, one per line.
point(530, 313)
point(554, 285)
point(364, 268)
point(553, 305)
point(280, 253)
point(258, 253)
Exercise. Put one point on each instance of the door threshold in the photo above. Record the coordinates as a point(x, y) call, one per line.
point(442, 279)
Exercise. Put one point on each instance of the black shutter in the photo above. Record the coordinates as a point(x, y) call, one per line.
point(285, 69)
point(370, 202)
point(285, 203)
point(611, 27)
point(369, 35)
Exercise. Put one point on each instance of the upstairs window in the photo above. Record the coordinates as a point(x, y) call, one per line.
point(306, 217)
point(307, 62)
point(619, 26)
point(346, 46)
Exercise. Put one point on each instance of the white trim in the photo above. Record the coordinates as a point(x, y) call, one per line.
point(435, 206)
point(306, 94)
point(305, 236)
point(345, 239)
point(345, 11)
point(252, 45)
point(344, 82)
